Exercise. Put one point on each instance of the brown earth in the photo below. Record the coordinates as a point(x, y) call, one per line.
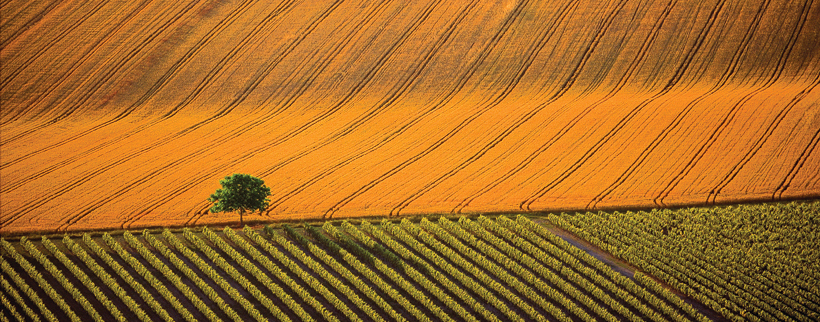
point(127, 113)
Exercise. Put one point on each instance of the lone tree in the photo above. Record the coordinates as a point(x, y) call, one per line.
point(241, 193)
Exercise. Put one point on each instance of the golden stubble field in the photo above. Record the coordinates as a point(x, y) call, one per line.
point(127, 113)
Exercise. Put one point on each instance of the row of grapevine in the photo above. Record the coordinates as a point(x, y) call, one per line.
point(713, 255)
point(100, 272)
point(45, 285)
point(507, 251)
point(562, 249)
point(716, 279)
point(317, 285)
point(255, 270)
point(356, 282)
point(572, 269)
point(142, 271)
point(486, 270)
point(14, 294)
point(417, 276)
point(209, 272)
point(368, 273)
point(72, 289)
point(680, 279)
point(512, 270)
point(259, 257)
point(84, 280)
point(394, 276)
point(169, 274)
point(762, 301)
point(238, 277)
point(478, 269)
point(443, 266)
point(121, 271)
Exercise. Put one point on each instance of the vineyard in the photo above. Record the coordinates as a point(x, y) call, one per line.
point(747, 262)
point(124, 114)
point(479, 269)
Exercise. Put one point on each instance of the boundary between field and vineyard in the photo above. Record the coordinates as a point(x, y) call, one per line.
point(540, 217)
point(413, 217)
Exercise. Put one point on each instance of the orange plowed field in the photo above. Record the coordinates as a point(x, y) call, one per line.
point(123, 113)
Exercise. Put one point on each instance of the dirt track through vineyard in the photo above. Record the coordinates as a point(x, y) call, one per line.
point(127, 113)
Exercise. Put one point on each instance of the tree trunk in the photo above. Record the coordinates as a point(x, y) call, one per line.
point(241, 223)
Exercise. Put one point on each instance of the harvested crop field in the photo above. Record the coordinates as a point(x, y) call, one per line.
point(125, 114)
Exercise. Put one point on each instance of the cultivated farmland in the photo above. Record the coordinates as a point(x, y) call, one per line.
point(737, 263)
point(125, 114)
point(753, 262)
point(440, 270)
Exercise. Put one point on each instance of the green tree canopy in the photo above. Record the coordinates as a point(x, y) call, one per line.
point(240, 193)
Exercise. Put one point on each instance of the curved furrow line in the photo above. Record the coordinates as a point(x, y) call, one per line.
point(52, 168)
point(356, 90)
point(798, 164)
point(110, 73)
point(220, 65)
point(622, 81)
point(277, 141)
point(316, 71)
point(690, 55)
point(690, 164)
point(258, 121)
point(680, 70)
point(487, 105)
point(82, 213)
point(698, 154)
point(75, 218)
point(157, 86)
point(250, 85)
point(350, 126)
point(34, 20)
point(462, 80)
point(384, 104)
point(760, 141)
point(192, 52)
point(523, 119)
point(68, 71)
point(527, 116)
point(63, 33)
point(727, 74)
point(778, 118)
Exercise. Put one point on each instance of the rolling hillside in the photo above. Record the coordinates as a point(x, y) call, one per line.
point(127, 113)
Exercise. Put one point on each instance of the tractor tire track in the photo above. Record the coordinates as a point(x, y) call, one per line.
point(86, 56)
point(623, 80)
point(108, 75)
point(798, 165)
point(727, 74)
point(159, 84)
point(390, 137)
point(109, 143)
point(338, 106)
point(680, 70)
point(25, 26)
point(60, 36)
point(86, 176)
point(603, 28)
point(760, 142)
point(782, 114)
point(324, 62)
point(513, 16)
point(166, 140)
point(690, 164)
